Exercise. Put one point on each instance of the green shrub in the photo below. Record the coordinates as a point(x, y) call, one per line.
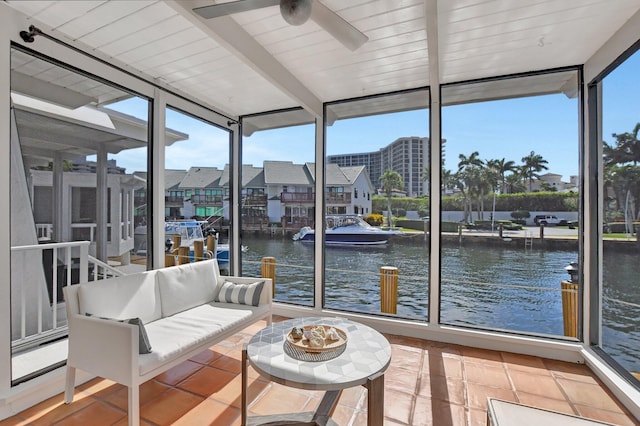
point(520, 214)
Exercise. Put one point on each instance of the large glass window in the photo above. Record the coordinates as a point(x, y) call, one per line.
point(278, 199)
point(377, 206)
point(509, 204)
point(620, 299)
point(74, 177)
point(196, 165)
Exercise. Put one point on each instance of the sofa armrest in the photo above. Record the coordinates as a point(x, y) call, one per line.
point(267, 293)
point(105, 348)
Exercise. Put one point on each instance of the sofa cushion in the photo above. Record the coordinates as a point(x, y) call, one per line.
point(245, 294)
point(144, 347)
point(127, 296)
point(185, 286)
point(206, 324)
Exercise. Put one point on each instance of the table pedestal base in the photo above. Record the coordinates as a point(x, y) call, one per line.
point(321, 417)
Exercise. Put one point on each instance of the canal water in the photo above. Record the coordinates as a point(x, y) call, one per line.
point(484, 287)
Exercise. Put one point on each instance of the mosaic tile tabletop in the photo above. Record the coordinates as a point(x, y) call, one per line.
point(367, 352)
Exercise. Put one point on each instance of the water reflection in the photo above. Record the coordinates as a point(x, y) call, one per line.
point(492, 288)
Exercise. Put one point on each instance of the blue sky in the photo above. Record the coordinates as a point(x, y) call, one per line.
point(508, 129)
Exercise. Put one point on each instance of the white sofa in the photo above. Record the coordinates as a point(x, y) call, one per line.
point(180, 317)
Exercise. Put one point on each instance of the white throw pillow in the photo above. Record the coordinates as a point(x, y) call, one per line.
point(185, 286)
point(127, 296)
point(245, 294)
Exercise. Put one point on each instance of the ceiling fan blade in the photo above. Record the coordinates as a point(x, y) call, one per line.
point(224, 9)
point(343, 31)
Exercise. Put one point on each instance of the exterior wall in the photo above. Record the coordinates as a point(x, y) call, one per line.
point(363, 202)
point(458, 216)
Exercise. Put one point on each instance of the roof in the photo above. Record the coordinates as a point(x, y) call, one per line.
point(172, 178)
point(201, 177)
point(48, 129)
point(286, 173)
point(252, 177)
point(253, 61)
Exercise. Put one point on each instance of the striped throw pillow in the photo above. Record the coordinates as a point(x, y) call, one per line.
point(245, 294)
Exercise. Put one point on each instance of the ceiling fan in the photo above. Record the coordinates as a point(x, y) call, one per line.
point(295, 12)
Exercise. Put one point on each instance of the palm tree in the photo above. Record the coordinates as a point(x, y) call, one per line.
point(514, 182)
point(502, 167)
point(533, 163)
point(468, 177)
point(619, 175)
point(471, 160)
point(390, 180)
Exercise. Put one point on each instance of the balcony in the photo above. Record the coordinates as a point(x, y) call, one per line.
point(255, 200)
point(210, 200)
point(174, 200)
point(338, 197)
point(426, 383)
point(309, 197)
point(297, 197)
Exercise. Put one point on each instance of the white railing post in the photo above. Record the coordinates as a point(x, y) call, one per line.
point(84, 262)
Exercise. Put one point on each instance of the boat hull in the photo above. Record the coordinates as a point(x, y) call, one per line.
point(348, 239)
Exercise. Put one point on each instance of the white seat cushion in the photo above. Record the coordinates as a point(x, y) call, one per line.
point(177, 334)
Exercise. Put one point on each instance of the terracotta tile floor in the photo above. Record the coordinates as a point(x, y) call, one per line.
point(428, 383)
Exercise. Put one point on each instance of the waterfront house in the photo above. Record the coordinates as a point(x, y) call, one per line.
point(254, 196)
point(251, 72)
point(291, 192)
point(552, 182)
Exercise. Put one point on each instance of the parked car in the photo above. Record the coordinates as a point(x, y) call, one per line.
point(547, 220)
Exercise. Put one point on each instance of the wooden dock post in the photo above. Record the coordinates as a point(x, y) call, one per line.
point(211, 245)
point(183, 255)
point(198, 250)
point(389, 289)
point(176, 242)
point(570, 308)
point(169, 259)
point(268, 269)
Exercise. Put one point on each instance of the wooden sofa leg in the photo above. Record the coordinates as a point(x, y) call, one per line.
point(134, 405)
point(70, 385)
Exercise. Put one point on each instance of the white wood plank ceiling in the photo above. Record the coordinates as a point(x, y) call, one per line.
point(254, 61)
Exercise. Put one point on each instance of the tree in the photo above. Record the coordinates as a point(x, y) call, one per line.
point(502, 167)
point(533, 163)
point(515, 183)
point(389, 181)
point(628, 146)
point(469, 180)
point(621, 171)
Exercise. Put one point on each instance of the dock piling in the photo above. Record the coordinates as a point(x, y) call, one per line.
point(183, 255)
point(198, 250)
point(389, 289)
point(268, 270)
point(570, 308)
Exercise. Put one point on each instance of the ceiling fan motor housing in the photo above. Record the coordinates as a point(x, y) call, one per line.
point(295, 12)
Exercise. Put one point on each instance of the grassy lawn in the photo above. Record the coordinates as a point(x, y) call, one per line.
point(619, 236)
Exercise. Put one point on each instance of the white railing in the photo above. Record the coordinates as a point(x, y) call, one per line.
point(41, 314)
point(45, 231)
